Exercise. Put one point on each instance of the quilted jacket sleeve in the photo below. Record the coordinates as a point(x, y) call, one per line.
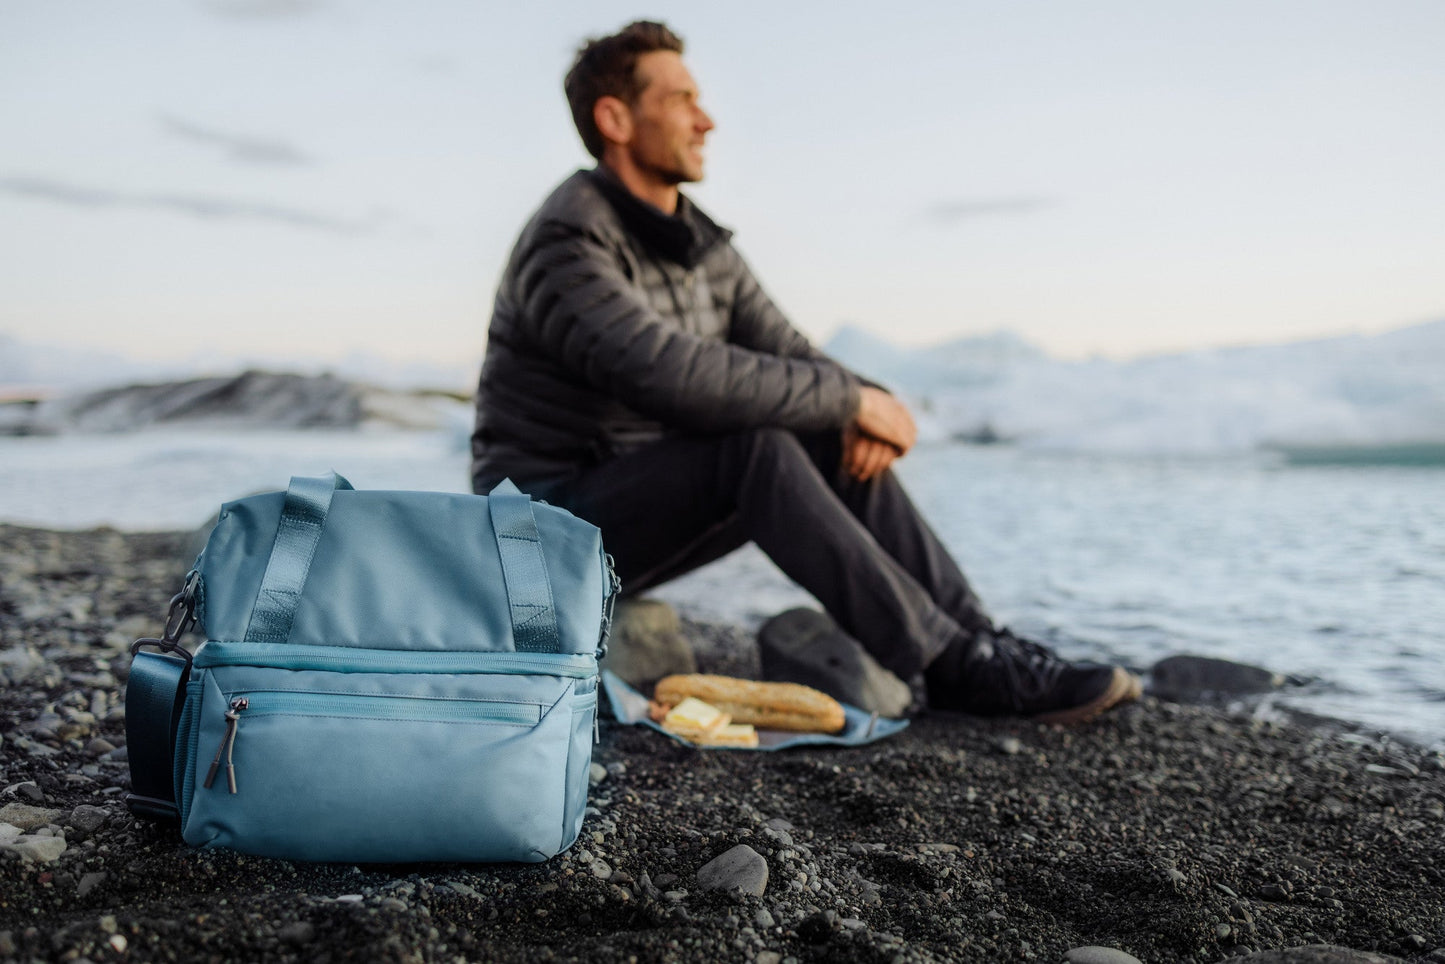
point(759, 324)
point(586, 314)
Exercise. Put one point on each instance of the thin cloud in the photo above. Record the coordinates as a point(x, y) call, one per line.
point(435, 64)
point(195, 206)
point(237, 147)
point(949, 213)
point(262, 9)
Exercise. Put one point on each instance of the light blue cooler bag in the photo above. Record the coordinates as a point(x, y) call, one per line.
point(386, 677)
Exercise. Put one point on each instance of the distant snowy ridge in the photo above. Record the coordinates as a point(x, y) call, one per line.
point(30, 369)
point(1355, 390)
point(250, 400)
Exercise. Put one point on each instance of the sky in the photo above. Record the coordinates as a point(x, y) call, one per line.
point(211, 179)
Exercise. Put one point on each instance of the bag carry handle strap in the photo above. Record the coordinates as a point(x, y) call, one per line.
point(154, 695)
point(308, 500)
point(524, 569)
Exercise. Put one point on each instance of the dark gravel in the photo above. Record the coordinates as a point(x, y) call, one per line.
point(1171, 832)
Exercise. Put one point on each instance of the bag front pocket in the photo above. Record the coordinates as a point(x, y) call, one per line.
point(365, 767)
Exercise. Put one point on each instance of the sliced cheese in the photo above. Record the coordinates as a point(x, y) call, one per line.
point(734, 734)
point(692, 719)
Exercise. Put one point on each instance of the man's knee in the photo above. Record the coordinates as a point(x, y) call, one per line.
point(771, 450)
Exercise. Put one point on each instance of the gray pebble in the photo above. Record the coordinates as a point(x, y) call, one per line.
point(741, 868)
point(1094, 954)
point(27, 791)
point(939, 848)
point(601, 870)
point(299, 932)
point(87, 818)
point(89, 882)
point(1010, 745)
point(596, 774)
point(763, 919)
point(1384, 771)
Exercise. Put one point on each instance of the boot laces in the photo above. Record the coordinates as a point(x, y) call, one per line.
point(1032, 669)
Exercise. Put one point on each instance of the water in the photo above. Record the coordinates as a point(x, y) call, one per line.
point(1335, 574)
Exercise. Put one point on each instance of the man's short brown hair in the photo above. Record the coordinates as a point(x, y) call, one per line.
point(607, 67)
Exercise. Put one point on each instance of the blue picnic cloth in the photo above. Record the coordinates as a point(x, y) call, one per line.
point(859, 727)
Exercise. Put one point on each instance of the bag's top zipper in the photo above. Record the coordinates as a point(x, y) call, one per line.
point(350, 659)
point(387, 706)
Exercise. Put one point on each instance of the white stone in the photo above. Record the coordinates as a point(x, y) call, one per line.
point(40, 850)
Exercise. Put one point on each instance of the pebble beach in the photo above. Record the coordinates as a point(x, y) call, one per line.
point(1163, 832)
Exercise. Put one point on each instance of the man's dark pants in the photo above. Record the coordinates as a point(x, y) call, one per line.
point(861, 548)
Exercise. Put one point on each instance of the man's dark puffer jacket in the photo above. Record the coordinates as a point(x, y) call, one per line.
point(616, 325)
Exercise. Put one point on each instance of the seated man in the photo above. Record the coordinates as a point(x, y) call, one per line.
point(637, 375)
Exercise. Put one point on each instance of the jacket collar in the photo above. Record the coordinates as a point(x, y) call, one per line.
point(684, 237)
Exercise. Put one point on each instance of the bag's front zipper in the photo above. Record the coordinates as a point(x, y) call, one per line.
point(361, 706)
point(228, 745)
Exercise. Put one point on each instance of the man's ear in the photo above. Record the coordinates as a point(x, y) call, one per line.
point(613, 119)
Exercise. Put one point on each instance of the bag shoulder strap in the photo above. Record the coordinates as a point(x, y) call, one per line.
point(524, 568)
point(308, 500)
point(154, 695)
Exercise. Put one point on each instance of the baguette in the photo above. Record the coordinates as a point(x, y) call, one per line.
point(768, 706)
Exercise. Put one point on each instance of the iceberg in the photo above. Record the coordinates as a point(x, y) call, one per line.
point(1368, 397)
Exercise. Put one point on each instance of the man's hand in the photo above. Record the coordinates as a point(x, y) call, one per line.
point(885, 419)
point(865, 458)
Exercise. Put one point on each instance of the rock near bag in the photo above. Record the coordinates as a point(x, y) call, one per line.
point(386, 677)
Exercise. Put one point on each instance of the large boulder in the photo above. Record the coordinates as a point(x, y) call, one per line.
point(806, 646)
point(1192, 679)
point(647, 643)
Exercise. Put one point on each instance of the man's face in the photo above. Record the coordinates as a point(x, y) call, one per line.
point(668, 126)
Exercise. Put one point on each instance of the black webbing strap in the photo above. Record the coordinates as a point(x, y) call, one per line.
point(154, 695)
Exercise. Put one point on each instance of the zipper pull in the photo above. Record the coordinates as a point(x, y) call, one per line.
point(596, 730)
point(228, 744)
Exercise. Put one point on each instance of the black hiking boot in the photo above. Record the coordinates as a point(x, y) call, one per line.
point(999, 674)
